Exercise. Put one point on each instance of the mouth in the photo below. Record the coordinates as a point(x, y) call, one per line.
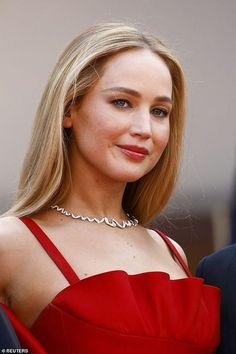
point(134, 152)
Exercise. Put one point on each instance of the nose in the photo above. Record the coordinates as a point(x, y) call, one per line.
point(141, 125)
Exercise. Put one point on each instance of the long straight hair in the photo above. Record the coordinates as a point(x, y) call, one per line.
point(46, 174)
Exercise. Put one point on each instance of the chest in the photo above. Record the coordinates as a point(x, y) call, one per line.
point(39, 280)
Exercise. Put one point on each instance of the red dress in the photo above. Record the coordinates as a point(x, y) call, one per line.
point(118, 313)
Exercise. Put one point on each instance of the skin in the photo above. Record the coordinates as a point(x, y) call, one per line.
point(129, 105)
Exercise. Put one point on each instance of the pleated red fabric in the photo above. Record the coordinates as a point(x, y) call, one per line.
point(118, 313)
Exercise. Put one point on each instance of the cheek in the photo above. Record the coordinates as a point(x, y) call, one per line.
point(161, 138)
point(93, 136)
point(100, 122)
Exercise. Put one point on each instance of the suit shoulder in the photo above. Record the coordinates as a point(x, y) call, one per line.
point(218, 266)
point(225, 254)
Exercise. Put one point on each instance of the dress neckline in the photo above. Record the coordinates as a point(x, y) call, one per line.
point(66, 268)
point(115, 275)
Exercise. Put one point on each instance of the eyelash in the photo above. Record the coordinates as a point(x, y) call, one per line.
point(162, 112)
point(116, 103)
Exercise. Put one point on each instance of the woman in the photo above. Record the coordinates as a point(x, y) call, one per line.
point(102, 163)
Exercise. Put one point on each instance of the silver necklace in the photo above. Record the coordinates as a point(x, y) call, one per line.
point(131, 221)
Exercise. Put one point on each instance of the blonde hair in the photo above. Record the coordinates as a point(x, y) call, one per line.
point(45, 177)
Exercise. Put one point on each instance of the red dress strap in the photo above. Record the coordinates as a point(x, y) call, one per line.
point(51, 250)
point(174, 251)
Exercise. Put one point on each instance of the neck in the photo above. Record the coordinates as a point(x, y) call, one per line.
point(95, 196)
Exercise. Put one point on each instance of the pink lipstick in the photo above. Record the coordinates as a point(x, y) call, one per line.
point(134, 152)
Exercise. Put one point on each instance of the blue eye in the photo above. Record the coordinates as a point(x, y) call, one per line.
point(120, 103)
point(160, 112)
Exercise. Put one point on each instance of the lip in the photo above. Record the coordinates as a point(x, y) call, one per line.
point(134, 152)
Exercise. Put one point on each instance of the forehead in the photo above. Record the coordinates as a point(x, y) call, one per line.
point(136, 67)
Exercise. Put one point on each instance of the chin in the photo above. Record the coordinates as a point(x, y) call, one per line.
point(130, 174)
point(131, 177)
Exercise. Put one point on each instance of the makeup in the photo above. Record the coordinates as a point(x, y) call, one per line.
point(137, 153)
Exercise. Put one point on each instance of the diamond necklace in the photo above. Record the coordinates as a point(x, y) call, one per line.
point(131, 221)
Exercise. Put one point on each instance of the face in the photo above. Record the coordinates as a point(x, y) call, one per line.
point(121, 127)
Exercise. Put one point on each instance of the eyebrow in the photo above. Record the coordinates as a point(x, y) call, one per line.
point(137, 94)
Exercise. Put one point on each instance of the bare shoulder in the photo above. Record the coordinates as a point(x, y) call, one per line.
point(179, 249)
point(10, 230)
point(13, 240)
point(11, 243)
point(155, 235)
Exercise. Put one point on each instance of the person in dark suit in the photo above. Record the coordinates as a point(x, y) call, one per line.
point(219, 269)
point(8, 337)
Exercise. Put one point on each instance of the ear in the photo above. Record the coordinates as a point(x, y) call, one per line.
point(67, 121)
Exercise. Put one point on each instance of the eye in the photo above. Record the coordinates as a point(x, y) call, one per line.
point(160, 112)
point(120, 103)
